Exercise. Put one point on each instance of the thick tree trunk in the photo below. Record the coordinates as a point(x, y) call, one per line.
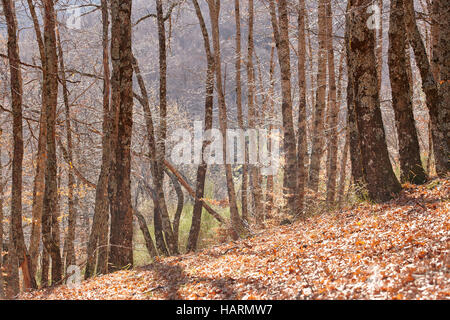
point(443, 62)
point(438, 109)
point(409, 151)
point(11, 272)
point(121, 235)
point(2, 284)
point(353, 135)
point(318, 127)
point(381, 181)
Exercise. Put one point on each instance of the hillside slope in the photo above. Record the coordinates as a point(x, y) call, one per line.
point(397, 250)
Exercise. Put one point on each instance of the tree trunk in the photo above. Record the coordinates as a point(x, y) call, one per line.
point(438, 109)
point(409, 151)
point(343, 171)
point(302, 148)
point(209, 103)
point(2, 285)
point(39, 180)
point(280, 26)
point(162, 132)
point(20, 248)
point(98, 238)
point(270, 179)
point(236, 223)
point(50, 211)
point(443, 55)
point(355, 149)
point(240, 114)
point(318, 127)
point(382, 184)
point(69, 246)
point(333, 110)
point(157, 222)
point(251, 86)
point(121, 235)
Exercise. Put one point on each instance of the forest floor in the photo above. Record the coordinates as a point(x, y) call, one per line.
point(396, 250)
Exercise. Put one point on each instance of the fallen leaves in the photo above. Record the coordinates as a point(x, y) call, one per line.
point(397, 250)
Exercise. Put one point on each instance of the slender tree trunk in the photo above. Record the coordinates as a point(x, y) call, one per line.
point(69, 246)
point(280, 26)
point(209, 102)
point(343, 171)
point(162, 132)
point(98, 238)
point(318, 127)
point(39, 180)
point(236, 223)
point(333, 110)
point(270, 179)
point(251, 86)
point(381, 181)
point(121, 235)
point(438, 109)
point(240, 114)
point(17, 236)
point(409, 151)
point(50, 210)
point(157, 222)
point(302, 148)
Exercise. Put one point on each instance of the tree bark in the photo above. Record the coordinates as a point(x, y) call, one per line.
point(382, 184)
point(17, 236)
point(98, 239)
point(318, 126)
point(280, 26)
point(438, 109)
point(39, 180)
point(302, 148)
point(236, 223)
point(50, 210)
point(209, 103)
point(2, 284)
point(333, 110)
point(355, 149)
point(409, 151)
point(251, 86)
point(162, 132)
point(240, 114)
point(69, 246)
point(121, 235)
